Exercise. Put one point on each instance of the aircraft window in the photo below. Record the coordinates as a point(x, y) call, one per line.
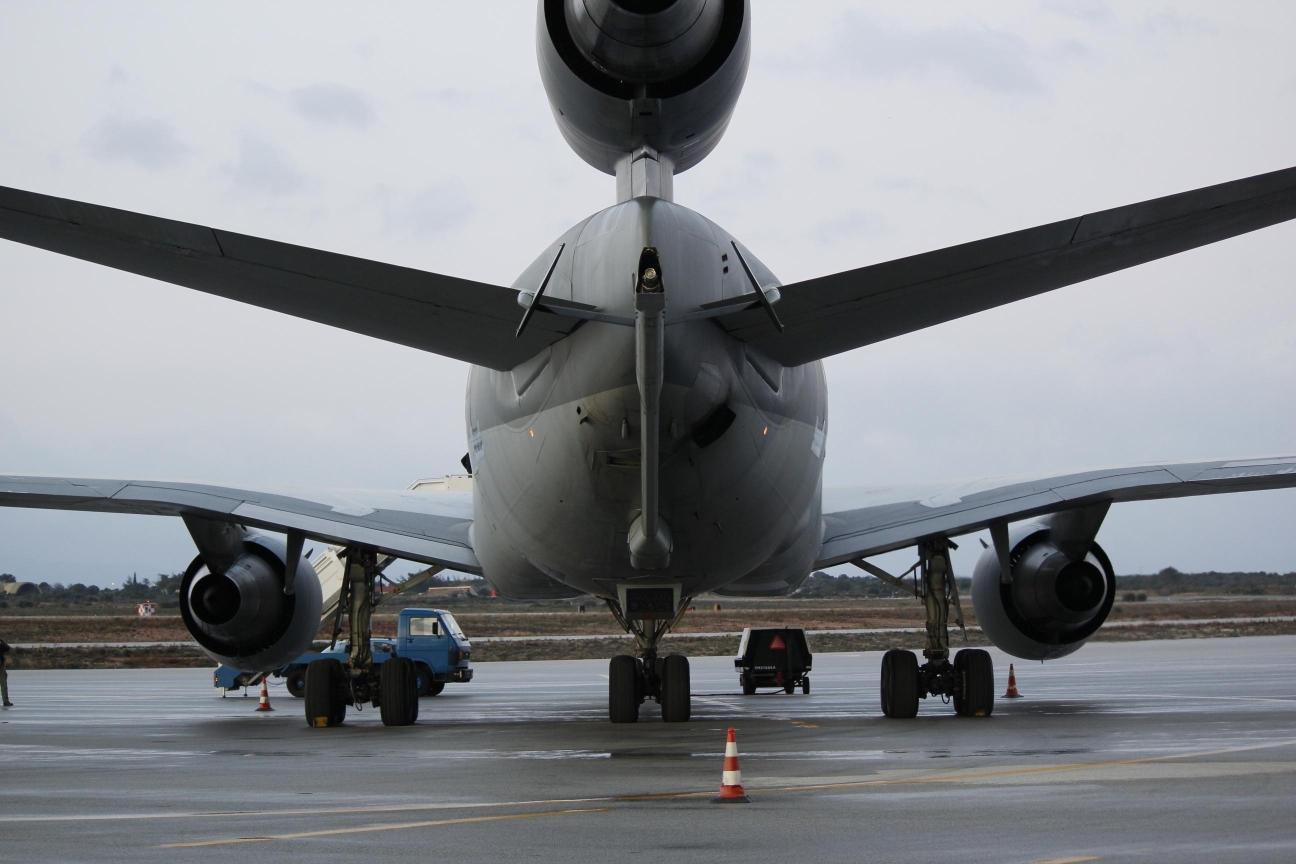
point(425, 627)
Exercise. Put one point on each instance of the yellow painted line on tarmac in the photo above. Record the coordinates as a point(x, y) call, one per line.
point(1078, 859)
point(804, 725)
point(387, 826)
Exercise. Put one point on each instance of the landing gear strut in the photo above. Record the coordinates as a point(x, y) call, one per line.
point(969, 680)
point(331, 686)
point(634, 680)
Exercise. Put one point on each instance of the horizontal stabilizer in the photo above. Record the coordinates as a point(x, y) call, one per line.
point(836, 313)
point(458, 318)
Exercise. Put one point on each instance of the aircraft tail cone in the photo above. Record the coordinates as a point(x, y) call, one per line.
point(1012, 693)
point(731, 788)
point(263, 704)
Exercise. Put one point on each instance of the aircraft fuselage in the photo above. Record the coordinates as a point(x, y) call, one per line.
point(554, 443)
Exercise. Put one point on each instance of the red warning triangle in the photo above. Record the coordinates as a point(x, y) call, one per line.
point(777, 643)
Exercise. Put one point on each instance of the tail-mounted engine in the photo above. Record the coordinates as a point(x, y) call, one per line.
point(625, 75)
point(241, 615)
point(1056, 593)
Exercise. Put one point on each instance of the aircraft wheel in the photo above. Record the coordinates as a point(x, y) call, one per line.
point(676, 689)
point(976, 683)
point(325, 694)
point(623, 689)
point(899, 684)
point(398, 692)
point(296, 683)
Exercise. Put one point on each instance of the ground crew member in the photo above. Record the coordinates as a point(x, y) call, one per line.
point(4, 676)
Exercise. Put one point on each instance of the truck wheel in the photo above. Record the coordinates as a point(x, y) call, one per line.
point(296, 682)
point(748, 685)
point(434, 688)
point(623, 689)
point(805, 686)
point(675, 689)
point(325, 699)
point(398, 692)
point(789, 687)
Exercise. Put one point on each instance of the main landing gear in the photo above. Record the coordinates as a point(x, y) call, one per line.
point(392, 687)
point(634, 680)
point(969, 681)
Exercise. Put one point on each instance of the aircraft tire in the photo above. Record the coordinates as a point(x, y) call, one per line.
point(325, 702)
point(623, 689)
point(977, 680)
point(899, 684)
point(676, 689)
point(296, 683)
point(398, 692)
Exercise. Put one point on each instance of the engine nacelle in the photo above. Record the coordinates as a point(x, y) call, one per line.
point(241, 617)
point(1054, 601)
point(627, 74)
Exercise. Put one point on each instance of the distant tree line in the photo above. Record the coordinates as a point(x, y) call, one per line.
point(1167, 581)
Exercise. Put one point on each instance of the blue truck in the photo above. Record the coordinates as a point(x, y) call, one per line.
point(430, 637)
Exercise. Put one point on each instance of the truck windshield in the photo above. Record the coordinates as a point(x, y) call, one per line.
point(452, 626)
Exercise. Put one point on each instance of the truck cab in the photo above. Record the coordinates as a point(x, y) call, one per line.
point(431, 638)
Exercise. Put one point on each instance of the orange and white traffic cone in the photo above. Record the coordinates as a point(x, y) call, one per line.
point(731, 788)
point(1012, 684)
point(264, 703)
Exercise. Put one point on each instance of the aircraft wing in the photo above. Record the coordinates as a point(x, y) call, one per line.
point(458, 318)
point(431, 527)
point(836, 313)
point(865, 522)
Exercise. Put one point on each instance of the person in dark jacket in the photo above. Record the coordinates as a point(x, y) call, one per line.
point(4, 676)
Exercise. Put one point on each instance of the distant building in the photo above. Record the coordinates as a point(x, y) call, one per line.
point(21, 589)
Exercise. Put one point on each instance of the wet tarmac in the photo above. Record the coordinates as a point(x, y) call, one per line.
point(1147, 751)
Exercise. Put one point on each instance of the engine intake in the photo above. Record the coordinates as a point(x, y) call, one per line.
point(1054, 601)
point(241, 616)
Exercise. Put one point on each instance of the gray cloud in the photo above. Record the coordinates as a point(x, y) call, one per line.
point(1170, 22)
point(992, 59)
point(333, 105)
point(424, 212)
point(851, 226)
point(146, 142)
point(1093, 12)
point(262, 168)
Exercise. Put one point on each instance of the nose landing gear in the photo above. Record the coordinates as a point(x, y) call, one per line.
point(634, 680)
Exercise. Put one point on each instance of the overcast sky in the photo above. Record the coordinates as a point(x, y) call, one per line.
point(420, 135)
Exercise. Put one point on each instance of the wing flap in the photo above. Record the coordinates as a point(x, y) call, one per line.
point(864, 522)
point(427, 526)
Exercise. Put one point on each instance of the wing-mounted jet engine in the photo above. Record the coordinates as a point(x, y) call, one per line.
point(1053, 592)
point(643, 89)
point(237, 603)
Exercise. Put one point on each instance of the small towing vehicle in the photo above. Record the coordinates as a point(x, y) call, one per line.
point(431, 638)
point(773, 657)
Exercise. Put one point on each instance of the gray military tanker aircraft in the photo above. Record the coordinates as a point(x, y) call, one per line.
point(647, 413)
